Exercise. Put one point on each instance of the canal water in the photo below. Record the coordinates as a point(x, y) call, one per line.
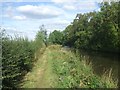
point(102, 62)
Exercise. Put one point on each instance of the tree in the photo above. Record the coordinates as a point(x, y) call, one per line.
point(41, 37)
point(56, 37)
point(95, 30)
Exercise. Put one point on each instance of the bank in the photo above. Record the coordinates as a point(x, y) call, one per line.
point(61, 68)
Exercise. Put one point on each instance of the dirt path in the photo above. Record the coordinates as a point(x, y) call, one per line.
point(41, 74)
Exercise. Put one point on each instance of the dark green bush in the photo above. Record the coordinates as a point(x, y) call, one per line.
point(18, 56)
point(17, 59)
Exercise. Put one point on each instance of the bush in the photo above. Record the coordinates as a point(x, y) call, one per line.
point(17, 59)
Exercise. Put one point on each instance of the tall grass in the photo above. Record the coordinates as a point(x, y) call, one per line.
point(73, 72)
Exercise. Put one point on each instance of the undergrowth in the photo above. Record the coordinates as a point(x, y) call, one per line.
point(73, 72)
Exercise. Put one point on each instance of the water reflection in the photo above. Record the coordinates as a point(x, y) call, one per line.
point(102, 62)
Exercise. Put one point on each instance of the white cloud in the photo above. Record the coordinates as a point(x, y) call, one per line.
point(6, 15)
point(9, 11)
point(40, 12)
point(19, 17)
point(77, 5)
point(14, 17)
point(11, 30)
point(69, 7)
point(86, 6)
point(75, 1)
point(62, 22)
point(63, 1)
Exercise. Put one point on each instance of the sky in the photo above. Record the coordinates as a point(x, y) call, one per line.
point(24, 17)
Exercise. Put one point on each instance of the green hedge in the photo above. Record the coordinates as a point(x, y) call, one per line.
point(17, 59)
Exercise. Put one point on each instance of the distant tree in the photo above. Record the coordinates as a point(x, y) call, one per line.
point(56, 37)
point(41, 37)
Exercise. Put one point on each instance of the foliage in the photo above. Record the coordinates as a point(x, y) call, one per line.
point(72, 72)
point(95, 30)
point(18, 57)
point(41, 37)
point(56, 37)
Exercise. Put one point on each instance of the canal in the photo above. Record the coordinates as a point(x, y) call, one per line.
point(102, 63)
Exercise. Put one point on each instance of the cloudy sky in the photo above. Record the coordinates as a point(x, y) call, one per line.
point(24, 18)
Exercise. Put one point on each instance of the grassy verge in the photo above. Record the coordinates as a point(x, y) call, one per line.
point(72, 72)
point(41, 75)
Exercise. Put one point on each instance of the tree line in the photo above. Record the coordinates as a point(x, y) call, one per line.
point(94, 30)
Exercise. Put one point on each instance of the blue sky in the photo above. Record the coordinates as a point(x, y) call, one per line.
point(24, 18)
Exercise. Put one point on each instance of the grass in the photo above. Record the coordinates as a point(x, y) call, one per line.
point(73, 72)
point(60, 68)
point(41, 75)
